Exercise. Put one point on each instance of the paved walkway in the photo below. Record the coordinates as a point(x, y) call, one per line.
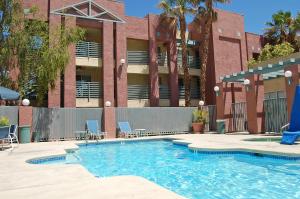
point(19, 179)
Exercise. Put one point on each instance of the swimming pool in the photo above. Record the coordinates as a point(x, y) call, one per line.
point(194, 175)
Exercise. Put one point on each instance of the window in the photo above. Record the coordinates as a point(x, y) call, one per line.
point(83, 78)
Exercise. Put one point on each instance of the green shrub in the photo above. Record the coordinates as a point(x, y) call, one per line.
point(4, 121)
point(200, 116)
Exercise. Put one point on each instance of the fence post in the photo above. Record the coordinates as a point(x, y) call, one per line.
point(25, 117)
point(290, 86)
point(220, 102)
point(109, 118)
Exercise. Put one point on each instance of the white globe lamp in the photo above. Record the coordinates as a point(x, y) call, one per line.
point(107, 104)
point(25, 102)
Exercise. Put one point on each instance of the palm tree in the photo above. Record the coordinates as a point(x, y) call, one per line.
point(207, 15)
point(279, 30)
point(176, 11)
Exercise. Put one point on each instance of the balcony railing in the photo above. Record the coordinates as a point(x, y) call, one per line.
point(138, 92)
point(162, 59)
point(195, 93)
point(88, 49)
point(164, 92)
point(138, 57)
point(88, 90)
point(193, 62)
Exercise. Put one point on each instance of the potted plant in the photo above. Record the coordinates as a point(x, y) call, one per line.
point(4, 121)
point(199, 120)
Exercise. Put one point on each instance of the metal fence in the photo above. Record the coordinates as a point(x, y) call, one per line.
point(61, 123)
point(88, 49)
point(276, 114)
point(11, 112)
point(163, 119)
point(239, 117)
point(88, 90)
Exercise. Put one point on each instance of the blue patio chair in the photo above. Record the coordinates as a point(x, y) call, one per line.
point(125, 129)
point(291, 136)
point(92, 129)
point(4, 135)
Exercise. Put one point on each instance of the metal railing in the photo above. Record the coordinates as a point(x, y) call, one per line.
point(195, 93)
point(138, 92)
point(239, 117)
point(138, 57)
point(88, 49)
point(164, 92)
point(88, 90)
point(193, 62)
point(162, 59)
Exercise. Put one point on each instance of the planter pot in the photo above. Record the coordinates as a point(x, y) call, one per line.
point(198, 128)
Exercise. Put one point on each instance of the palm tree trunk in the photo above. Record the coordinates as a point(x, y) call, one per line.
point(204, 60)
point(187, 82)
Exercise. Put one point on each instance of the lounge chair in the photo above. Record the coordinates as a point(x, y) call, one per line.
point(291, 136)
point(92, 129)
point(125, 129)
point(4, 135)
point(13, 133)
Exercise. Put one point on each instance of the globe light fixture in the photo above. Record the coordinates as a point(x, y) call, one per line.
point(122, 61)
point(217, 90)
point(247, 84)
point(25, 102)
point(201, 103)
point(107, 104)
point(288, 74)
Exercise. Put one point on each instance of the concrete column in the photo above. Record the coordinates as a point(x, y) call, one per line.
point(121, 69)
point(220, 103)
point(108, 62)
point(109, 119)
point(25, 116)
point(153, 65)
point(254, 99)
point(173, 73)
point(290, 86)
point(54, 94)
point(70, 70)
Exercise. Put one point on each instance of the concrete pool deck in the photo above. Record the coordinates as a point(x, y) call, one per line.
point(19, 179)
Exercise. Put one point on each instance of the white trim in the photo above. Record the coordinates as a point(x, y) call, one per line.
point(91, 3)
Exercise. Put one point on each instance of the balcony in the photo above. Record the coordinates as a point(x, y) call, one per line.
point(88, 54)
point(88, 90)
point(193, 62)
point(195, 93)
point(164, 92)
point(138, 92)
point(138, 57)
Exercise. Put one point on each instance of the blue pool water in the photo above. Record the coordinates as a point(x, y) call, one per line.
point(195, 175)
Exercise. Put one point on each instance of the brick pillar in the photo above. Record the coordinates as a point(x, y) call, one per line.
point(108, 62)
point(70, 70)
point(121, 69)
point(25, 116)
point(290, 89)
point(153, 65)
point(54, 94)
point(254, 99)
point(220, 102)
point(109, 119)
point(173, 73)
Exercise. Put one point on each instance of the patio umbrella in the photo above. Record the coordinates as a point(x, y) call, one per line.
point(7, 94)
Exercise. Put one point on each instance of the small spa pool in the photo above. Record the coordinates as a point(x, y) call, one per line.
point(201, 175)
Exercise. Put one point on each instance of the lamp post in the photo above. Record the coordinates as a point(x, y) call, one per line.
point(288, 74)
point(201, 104)
point(247, 84)
point(217, 90)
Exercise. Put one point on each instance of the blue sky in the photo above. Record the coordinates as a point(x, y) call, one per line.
point(256, 12)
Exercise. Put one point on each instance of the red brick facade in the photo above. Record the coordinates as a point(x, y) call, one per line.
point(230, 48)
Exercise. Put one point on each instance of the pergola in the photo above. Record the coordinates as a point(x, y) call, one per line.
point(267, 70)
point(253, 80)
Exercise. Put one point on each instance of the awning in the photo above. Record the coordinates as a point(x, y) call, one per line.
point(7, 94)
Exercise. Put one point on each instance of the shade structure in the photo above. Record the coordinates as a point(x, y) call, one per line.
point(7, 94)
